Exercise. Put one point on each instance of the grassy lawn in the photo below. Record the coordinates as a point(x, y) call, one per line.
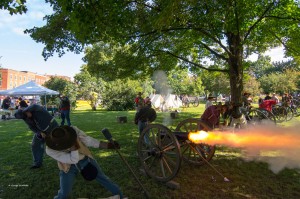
point(247, 179)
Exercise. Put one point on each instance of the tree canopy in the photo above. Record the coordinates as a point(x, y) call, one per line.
point(13, 6)
point(161, 34)
point(64, 87)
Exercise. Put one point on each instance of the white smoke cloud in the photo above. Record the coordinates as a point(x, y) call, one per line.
point(163, 88)
point(161, 83)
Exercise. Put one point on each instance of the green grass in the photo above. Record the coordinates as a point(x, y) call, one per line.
point(247, 179)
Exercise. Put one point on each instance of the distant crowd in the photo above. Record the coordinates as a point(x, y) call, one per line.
point(15, 103)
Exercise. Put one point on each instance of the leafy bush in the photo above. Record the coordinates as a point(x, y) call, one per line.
point(118, 96)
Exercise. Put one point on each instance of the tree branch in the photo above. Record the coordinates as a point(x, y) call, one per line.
point(258, 20)
point(236, 17)
point(193, 63)
point(197, 29)
point(285, 46)
point(214, 39)
point(279, 17)
point(214, 52)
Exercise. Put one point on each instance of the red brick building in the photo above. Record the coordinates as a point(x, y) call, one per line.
point(12, 78)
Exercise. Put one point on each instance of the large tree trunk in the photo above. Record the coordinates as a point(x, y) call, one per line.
point(235, 68)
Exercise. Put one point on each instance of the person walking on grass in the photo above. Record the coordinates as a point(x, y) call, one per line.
point(64, 108)
point(41, 123)
point(69, 146)
point(145, 115)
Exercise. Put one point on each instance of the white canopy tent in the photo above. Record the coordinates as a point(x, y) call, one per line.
point(173, 101)
point(164, 103)
point(156, 100)
point(29, 89)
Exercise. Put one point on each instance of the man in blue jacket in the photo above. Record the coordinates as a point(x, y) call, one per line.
point(40, 121)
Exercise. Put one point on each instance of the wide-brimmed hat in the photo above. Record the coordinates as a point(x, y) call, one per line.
point(19, 114)
point(210, 97)
point(61, 138)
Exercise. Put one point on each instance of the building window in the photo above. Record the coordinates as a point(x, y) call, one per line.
point(10, 76)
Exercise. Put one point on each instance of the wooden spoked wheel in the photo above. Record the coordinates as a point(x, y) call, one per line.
point(289, 113)
point(260, 117)
point(280, 113)
point(205, 152)
point(159, 152)
point(196, 102)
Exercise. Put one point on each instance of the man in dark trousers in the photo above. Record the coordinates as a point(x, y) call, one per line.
point(40, 121)
point(145, 115)
point(64, 108)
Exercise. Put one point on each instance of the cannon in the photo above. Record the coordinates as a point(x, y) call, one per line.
point(161, 150)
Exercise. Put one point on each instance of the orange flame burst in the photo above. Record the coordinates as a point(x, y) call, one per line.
point(199, 136)
point(259, 143)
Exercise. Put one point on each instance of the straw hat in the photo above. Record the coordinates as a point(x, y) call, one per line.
point(61, 138)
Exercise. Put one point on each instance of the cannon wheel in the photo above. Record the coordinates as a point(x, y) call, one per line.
point(264, 116)
point(188, 154)
point(159, 152)
point(196, 102)
point(280, 113)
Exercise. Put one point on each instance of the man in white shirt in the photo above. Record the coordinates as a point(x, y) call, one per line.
point(68, 145)
point(274, 97)
point(209, 101)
